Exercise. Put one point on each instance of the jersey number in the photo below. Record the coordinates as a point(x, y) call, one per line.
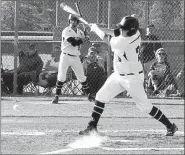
point(137, 51)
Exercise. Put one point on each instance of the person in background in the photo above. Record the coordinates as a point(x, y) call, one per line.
point(72, 40)
point(48, 76)
point(148, 49)
point(94, 71)
point(180, 82)
point(128, 74)
point(30, 66)
point(160, 76)
point(102, 52)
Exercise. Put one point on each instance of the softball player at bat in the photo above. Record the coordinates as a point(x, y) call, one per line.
point(128, 73)
point(72, 38)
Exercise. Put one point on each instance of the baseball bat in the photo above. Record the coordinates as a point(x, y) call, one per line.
point(70, 10)
point(80, 14)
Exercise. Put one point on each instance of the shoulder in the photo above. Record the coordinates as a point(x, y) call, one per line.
point(66, 30)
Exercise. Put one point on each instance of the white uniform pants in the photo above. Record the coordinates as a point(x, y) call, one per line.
point(65, 62)
point(133, 84)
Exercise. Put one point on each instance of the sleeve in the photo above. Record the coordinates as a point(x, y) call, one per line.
point(65, 34)
point(39, 65)
point(84, 64)
point(74, 42)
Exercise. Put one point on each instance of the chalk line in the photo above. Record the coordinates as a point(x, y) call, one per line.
point(117, 149)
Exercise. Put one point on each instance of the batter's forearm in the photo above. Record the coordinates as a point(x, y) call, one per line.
point(74, 42)
point(108, 31)
point(103, 33)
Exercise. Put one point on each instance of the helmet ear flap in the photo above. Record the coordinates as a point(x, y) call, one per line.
point(117, 32)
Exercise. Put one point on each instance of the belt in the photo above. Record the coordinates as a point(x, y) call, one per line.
point(130, 74)
point(70, 55)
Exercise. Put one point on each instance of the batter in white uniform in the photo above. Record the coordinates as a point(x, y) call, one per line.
point(72, 38)
point(128, 73)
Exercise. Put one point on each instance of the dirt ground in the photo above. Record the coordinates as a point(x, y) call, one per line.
point(32, 125)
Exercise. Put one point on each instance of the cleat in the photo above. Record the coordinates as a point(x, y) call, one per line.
point(90, 97)
point(172, 130)
point(90, 129)
point(55, 100)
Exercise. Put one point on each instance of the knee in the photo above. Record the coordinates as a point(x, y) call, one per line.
point(61, 78)
point(82, 80)
point(146, 108)
point(100, 97)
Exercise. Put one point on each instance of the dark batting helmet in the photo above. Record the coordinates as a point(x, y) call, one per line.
point(73, 17)
point(129, 23)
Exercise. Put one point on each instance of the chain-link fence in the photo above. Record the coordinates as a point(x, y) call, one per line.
point(41, 22)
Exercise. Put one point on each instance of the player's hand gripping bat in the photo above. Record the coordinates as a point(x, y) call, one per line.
point(70, 10)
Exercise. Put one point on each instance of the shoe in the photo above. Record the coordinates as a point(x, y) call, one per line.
point(172, 130)
point(90, 97)
point(55, 100)
point(90, 128)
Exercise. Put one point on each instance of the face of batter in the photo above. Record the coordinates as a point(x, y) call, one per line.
point(73, 23)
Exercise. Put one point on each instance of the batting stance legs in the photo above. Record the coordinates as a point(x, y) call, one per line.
point(65, 62)
point(134, 85)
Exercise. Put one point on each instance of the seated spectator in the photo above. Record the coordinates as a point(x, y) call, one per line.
point(103, 53)
point(94, 71)
point(4, 88)
point(180, 82)
point(94, 51)
point(30, 66)
point(160, 77)
point(148, 49)
point(48, 76)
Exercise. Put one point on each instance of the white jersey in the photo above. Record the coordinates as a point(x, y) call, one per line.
point(66, 47)
point(126, 54)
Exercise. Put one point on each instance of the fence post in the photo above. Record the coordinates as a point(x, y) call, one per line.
point(15, 47)
point(147, 12)
point(98, 11)
point(56, 13)
point(109, 71)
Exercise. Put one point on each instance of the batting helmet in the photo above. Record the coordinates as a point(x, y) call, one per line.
point(129, 23)
point(72, 17)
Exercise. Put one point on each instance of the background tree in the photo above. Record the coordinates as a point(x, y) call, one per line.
point(31, 15)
